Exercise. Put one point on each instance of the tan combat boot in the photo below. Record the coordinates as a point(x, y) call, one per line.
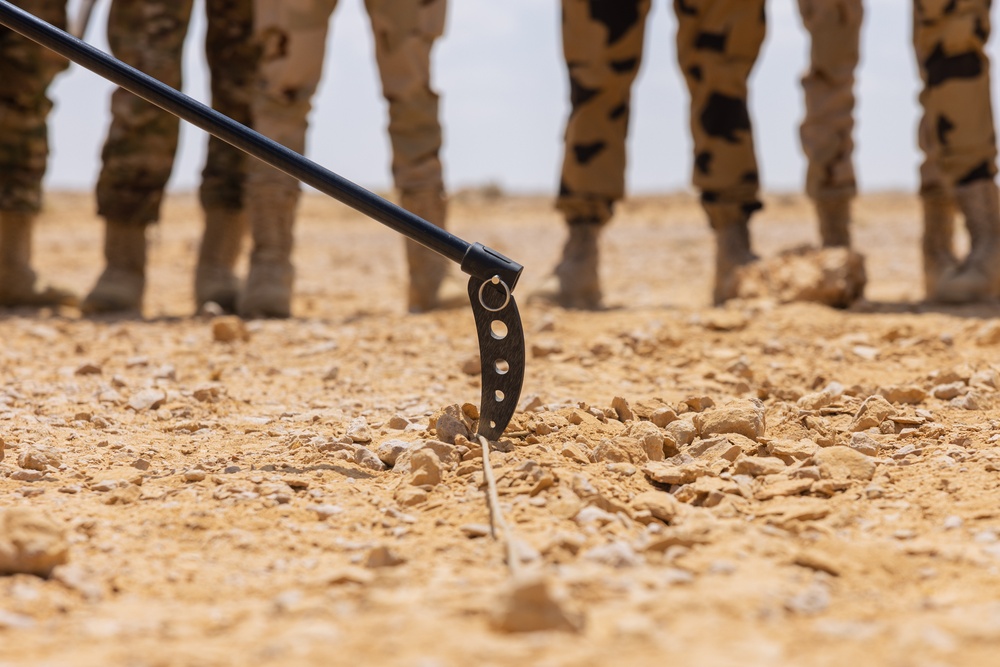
point(268, 291)
point(938, 242)
point(978, 277)
point(731, 223)
point(577, 271)
point(427, 269)
point(17, 279)
point(214, 279)
point(834, 215)
point(121, 285)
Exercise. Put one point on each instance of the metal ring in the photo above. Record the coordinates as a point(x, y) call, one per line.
point(495, 280)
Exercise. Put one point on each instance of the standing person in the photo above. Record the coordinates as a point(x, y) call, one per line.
point(292, 34)
point(26, 71)
point(959, 144)
point(717, 46)
point(834, 28)
point(142, 143)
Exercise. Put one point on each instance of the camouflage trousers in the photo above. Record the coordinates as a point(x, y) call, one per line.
point(956, 131)
point(141, 145)
point(292, 35)
point(717, 46)
point(26, 70)
point(834, 28)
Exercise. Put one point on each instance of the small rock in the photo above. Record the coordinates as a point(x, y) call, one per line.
point(383, 556)
point(195, 475)
point(663, 416)
point(390, 450)
point(350, 575)
point(906, 394)
point(844, 463)
point(472, 365)
point(105, 485)
point(745, 417)
point(398, 423)
point(209, 394)
point(616, 554)
point(666, 473)
point(358, 430)
point(38, 459)
point(699, 403)
point(529, 606)
point(988, 334)
point(831, 276)
point(574, 453)
point(450, 424)
point(622, 409)
point(425, 468)
point(814, 559)
point(758, 466)
point(88, 369)
point(408, 496)
point(30, 543)
point(682, 431)
point(448, 454)
point(864, 443)
point(659, 504)
point(324, 512)
point(970, 401)
point(829, 395)
point(873, 411)
point(814, 600)
point(474, 530)
point(143, 464)
point(946, 392)
point(366, 458)
point(650, 437)
point(790, 451)
point(229, 329)
point(147, 399)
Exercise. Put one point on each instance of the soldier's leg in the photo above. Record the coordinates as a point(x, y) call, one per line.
point(959, 142)
point(835, 32)
point(291, 36)
point(232, 61)
point(602, 44)
point(405, 31)
point(139, 151)
point(26, 70)
point(717, 46)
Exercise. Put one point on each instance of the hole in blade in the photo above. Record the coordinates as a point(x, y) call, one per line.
point(501, 366)
point(499, 396)
point(498, 329)
point(493, 424)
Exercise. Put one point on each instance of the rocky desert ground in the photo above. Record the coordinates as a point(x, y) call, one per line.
point(762, 484)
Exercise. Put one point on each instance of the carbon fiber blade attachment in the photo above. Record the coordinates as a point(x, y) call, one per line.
point(501, 350)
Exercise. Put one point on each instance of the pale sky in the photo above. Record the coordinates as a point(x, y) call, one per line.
point(502, 80)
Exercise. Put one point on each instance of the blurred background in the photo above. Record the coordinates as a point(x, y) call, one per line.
point(502, 80)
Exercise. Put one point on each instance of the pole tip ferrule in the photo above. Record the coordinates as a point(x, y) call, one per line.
point(484, 263)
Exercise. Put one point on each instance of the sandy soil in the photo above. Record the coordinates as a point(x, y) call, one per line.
point(829, 492)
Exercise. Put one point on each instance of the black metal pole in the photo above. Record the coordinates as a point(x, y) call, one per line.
point(258, 145)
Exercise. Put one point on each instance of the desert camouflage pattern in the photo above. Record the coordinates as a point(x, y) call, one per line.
point(139, 152)
point(292, 37)
point(717, 46)
point(26, 70)
point(956, 131)
point(834, 28)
